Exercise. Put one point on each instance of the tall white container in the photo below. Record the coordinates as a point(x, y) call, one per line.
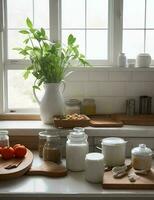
point(76, 149)
point(122, 60)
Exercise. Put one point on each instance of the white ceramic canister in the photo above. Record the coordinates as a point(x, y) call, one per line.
point(94, 166)
point(143, 60)
point(122, 60)
point(113, 149)
point(141, 157)
point(76, 149)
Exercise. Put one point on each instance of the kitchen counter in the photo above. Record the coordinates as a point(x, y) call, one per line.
point(69, 187)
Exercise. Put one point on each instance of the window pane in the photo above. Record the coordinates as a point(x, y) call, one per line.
point(133, 13)
point(97, 13)
point(97, 44)
point(73, 13)
point(150, 42)
point(15, 39)
point(150, 14)
point(133, 42)
point(20, 91)
point(80, 38)
point(41, 13)
point(18, 11)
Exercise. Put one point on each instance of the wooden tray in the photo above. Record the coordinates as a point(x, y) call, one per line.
point(15, 172)
point(63, 123)
point(103, 121)
point(47, 168)
point(143, 182)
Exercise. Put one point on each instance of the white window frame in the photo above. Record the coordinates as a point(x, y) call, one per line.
point(115, 29)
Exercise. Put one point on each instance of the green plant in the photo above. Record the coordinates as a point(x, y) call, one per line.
point(49, 61)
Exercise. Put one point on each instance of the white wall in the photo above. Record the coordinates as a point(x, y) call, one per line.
point(110, 87)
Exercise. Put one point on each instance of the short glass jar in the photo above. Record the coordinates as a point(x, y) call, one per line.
point(89, 107)
point(4, 138)
point(72, 106)
point(52, 148)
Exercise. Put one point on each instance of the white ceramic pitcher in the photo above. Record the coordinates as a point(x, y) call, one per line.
point(52, 102)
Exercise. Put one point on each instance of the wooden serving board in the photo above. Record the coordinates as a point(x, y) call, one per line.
point(24, 166)
point(143, 182)
point(102, 121)
point(47, 168)
point(142, 120)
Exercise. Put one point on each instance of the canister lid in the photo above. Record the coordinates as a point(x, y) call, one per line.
point(77, 136)
point(112, 141)
point(3, 132)
point(94, 156)
point(141, 150)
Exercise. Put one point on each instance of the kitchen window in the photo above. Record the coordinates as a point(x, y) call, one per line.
point(103, 28)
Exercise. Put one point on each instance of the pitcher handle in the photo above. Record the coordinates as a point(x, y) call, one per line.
point(34, 93)
point(64, 85)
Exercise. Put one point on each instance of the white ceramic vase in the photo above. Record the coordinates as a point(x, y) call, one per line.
point(52, 102)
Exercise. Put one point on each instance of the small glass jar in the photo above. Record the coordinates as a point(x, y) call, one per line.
point(42, 141)
point(4, 138)
point(72, 106)
point(52, 148)
point(89, 107)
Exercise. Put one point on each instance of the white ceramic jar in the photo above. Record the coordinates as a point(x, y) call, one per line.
point(122, 60)
point(76, 149)
point(113, 149)
point(94, 166)
point(141, 157)
point(143, 60)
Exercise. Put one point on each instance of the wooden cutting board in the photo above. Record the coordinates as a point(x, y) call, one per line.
point(102, 121)
point(47, 168)
point(143, 182)
point(24, 166)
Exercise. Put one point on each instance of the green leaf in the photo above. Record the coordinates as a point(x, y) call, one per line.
point(26, 40)
point(36, 87)
point(26, 74)
point(43, 32)
point(29, 23)
point(24, 31)
point(71, 39)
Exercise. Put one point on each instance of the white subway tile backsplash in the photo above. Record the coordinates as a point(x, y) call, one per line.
point(110, 88)
point(143, 76)
point(98, 76)
point(91, 89)
point(78, 76)
point(113, 89)
point(120, 76)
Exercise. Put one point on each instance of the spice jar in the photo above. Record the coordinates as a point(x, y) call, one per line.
point(89, 107)
point(4, 138)
point(141, 157)
point(76, 149)
point(52, 148)
point(72, 106)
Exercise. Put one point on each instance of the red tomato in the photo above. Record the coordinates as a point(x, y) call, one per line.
point(20, 151)
point(7, 153)
point(16, 145)
point(1, 149)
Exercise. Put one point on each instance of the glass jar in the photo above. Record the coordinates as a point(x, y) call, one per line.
point(42, 141)
point(72, 106)
point(4, 138)
point(89, 107)
point(52, 148)
point(76, 149)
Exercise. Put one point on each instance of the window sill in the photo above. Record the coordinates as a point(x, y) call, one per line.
point(28, 127)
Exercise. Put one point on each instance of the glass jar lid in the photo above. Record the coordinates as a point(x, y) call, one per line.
point(77, 136)
point(142, 150)
point(112, 141)
point(3, 132)
point(73, 102)
point(78, 129)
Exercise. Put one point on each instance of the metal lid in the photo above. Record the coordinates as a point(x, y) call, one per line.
point(142, 150)
point(72, 102)
point(112, 141)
